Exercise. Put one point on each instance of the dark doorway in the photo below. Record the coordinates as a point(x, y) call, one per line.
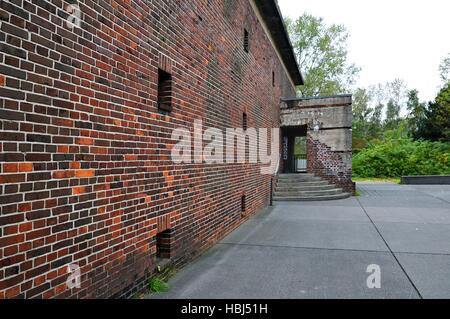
point(294, 152)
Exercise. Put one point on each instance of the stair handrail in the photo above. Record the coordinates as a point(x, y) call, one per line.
point(275, 174)
point(278, 166)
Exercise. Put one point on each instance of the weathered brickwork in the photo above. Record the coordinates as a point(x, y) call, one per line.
point(86, 174)
point(331, 166)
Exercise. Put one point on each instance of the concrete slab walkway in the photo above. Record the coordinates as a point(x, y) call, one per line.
point(323, 249)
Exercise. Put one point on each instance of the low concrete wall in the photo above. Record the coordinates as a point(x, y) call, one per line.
point(425, 180)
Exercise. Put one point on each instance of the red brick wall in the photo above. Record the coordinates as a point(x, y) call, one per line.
point(86, 175)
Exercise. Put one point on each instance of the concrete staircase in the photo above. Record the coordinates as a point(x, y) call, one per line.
point(306, 187)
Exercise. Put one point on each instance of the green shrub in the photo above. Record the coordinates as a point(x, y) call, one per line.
point(158, 285)
point(395, 157)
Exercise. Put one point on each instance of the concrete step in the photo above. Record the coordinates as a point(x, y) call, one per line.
point(299, 179)
point(312, 198)
point(306, 187)
point(302, 184)
point(301, 187)
point(295, 193)
point(296, 175)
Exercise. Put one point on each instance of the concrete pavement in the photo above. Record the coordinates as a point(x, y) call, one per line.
point(323, 249)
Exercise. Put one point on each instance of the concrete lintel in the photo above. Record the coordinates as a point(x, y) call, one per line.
point(328, 117)
point(316, 102)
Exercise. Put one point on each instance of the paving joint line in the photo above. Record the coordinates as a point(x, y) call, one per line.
point(435, 197)
point(336, 249)
point(308, 248)
point(391, 251)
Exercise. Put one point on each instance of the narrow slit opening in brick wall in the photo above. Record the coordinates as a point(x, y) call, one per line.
point(163, 245)
point(164, 91)
point(244, 121)
point(246, 41)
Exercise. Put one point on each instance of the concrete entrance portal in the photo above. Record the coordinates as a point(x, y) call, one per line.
point(317, 138)
point(295, 149)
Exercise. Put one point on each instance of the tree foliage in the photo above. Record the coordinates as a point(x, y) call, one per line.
point(416, 113)
point(396, 93)
point(321, 52)
point(377, 109)
point(399, 156)
point(444, 69)
point(418, 144)
point(362, 116)
point(435, 124)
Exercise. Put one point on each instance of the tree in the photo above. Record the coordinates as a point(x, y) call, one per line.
point(416, 113)
point(444, 69)
point(441, 112)
point(367, 117)
point(392, 113)
point(361, 117)
point(436, 124)
point(321, 52)
point(379, 93)
point(361, 108)
point(376, 122)
point(396, 93)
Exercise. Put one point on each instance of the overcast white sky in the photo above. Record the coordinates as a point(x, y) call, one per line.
point(390, 39)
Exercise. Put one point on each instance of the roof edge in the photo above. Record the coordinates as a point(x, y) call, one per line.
point(271, 14)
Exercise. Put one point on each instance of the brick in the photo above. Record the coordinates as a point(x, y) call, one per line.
point(12, 292)
point(11, 157)
point(11, 136)
point(11, 230)
point(12, 94)
point(8, 241)
point(11, 219)
point(11, 29)
point(61, 262)
point(10, 168)
point(75, 165)
point(85, 141)
point(25, 167)
point(63, 149)
point(85, 173)
point(38, 252)
point(38, 214)
point(10, 283)
point(39, 138)
point(10, 115)
point(25, 227)
point(12, 72)
point(24, 207)
point(9, 179)
point(63, 174)
point(38, 157)
point(78, 190)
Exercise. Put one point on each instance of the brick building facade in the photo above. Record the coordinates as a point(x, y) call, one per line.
point(86, 115)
